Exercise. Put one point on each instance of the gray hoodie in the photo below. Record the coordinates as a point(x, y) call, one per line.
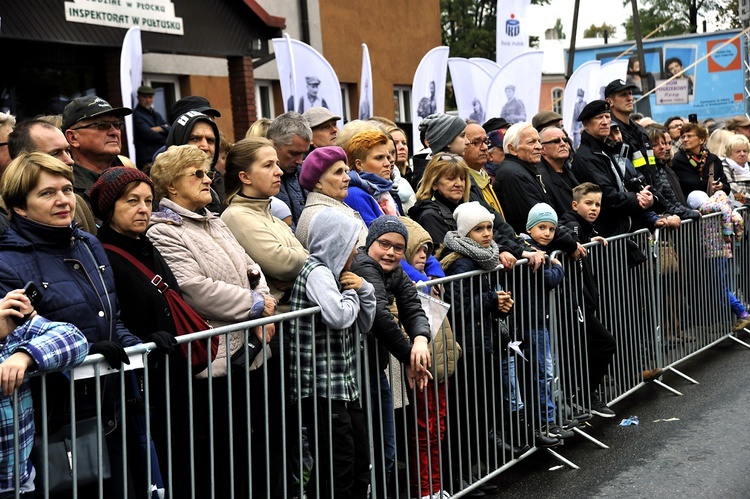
point(331, 239)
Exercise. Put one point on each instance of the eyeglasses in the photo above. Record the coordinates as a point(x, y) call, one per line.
point(3, 144)
point(449, 157)
point(477, 142)
point(103, 126)
point(553, 141)
point(676, 125)
point(386, 245)
point(202, 173)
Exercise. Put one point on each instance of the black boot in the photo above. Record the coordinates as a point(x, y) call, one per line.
point(540, 439)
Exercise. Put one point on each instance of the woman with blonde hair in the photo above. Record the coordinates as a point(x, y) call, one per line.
point(736, 167)
point(445, 185)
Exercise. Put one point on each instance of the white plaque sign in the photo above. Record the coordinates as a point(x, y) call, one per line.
point(149, 15)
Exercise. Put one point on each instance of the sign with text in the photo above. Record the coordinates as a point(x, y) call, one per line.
point(149, 15)
point(673, 92)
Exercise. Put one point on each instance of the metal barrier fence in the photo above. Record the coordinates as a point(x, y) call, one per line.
point(169, 433)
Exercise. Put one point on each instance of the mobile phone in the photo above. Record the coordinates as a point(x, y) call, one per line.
point(34, 296)
point(693, 118)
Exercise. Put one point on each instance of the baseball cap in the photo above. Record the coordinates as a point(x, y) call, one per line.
point(90, 106)
point(617, 86)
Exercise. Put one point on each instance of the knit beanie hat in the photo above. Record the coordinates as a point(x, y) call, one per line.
point(317, 162)
point(441, 131)
point(108, 188)
point(541, 212)
point(696, 198)
point(383, 225)
point(469, 215)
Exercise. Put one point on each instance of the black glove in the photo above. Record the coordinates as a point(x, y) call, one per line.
point(164, 341)
point(113, 352)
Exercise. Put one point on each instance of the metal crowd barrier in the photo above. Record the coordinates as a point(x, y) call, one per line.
point(174, 436)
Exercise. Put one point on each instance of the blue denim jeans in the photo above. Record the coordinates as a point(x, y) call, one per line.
point(510, 384)
point(383, 435)
point(544, 373)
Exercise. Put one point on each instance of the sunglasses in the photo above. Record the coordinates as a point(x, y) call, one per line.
point(553, 141)
point(202, 173)
point(103, 125)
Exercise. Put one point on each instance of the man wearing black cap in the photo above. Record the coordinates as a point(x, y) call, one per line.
point(93, 128)
point(619, 96)
point(150, 129)
point(623, 210)
point(192, 103)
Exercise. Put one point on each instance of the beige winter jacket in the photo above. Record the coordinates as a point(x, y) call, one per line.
point(268, 241)
point(211, 268)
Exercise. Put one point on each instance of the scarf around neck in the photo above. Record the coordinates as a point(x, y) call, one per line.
point(697, 161)
point(487, 258)
point(736, 167)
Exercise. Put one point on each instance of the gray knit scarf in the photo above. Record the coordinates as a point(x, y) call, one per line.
point(487, 258)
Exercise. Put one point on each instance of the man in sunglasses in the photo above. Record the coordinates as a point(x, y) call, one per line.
point(554, 169)
point(93, 128)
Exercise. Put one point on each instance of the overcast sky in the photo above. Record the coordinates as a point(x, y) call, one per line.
point(591, 12)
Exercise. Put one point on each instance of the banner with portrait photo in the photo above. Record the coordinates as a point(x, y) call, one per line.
point(428, 89)
point(710, 86)
point(512, 33)
point(365, 86)
point(471, 82)
point(583, 87)
point(313, 81)
point(515, 89)
point(131, 74)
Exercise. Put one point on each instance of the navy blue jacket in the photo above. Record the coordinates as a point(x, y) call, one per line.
point(70, 268)
point(474, 307)
point(147, 141)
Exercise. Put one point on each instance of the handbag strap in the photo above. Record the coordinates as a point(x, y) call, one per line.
point(155, 279)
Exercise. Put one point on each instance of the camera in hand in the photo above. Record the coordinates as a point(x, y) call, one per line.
point(634, 184)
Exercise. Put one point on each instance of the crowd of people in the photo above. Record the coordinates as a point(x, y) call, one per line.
point(301, 213)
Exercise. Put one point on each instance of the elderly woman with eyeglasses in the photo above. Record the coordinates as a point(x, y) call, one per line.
point(694, 163)
point(222, 283)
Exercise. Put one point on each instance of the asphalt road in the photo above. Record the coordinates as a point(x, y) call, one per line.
point(706, 453)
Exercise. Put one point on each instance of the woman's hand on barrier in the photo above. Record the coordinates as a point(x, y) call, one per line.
point(508, 260)
point(13, 370)
point(536, 259)
point(113, 352)
point(163, 340)
point(270, 333)
point(270, 305)
point(504, 301)
point(350, 280)
point(600, 239)
point(14, 304)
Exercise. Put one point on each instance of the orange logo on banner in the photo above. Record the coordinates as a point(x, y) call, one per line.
point(726, 58)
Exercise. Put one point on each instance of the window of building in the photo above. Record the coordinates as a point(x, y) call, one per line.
point(402, 104)
point(264, 99)
point(557, 100)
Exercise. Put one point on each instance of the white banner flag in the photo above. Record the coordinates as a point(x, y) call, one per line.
point(365, 86)
point(515, 89)
point(428, 89)
point(582, 88)
point(310, 79)
point(512, 32)
point(131, 73)
point(471, 83)
point(612, 70)
point(490, 66)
